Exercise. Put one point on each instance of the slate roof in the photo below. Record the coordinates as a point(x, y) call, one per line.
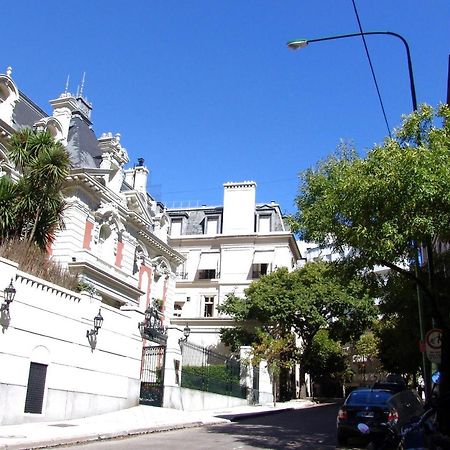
point(82, 143)
point(26, 113)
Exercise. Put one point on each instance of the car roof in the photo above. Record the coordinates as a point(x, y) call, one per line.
point(389, 385)
point(369, 394)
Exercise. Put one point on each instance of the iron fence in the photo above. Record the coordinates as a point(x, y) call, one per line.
point(209, 371)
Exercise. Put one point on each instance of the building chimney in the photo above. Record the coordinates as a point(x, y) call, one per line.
point(239, 203)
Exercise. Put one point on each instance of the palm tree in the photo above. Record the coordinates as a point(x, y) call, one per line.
point(38, 204)
point(8, 220)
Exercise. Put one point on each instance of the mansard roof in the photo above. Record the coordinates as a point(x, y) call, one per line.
point(26, 113)
point(82, 143)
point(194, 216)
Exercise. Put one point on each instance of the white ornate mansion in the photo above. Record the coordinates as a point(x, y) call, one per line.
point(131, 252)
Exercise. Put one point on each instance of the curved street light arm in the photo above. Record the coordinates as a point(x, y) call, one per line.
point(303, 42)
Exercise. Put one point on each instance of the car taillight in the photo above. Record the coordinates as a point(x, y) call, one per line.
point(342, 414)
point(393, 416)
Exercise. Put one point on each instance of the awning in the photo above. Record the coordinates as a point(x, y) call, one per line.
point(208, 261)
point(263, 257)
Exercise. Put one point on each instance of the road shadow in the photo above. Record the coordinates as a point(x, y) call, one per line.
point(309, 428)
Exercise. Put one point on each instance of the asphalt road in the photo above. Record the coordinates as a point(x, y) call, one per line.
point(309, 428)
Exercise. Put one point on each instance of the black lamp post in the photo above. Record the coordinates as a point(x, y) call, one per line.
point(9, 294)
point(98, 322)
point(301, 43)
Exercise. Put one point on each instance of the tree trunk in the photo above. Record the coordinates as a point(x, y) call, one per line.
point(274, 389)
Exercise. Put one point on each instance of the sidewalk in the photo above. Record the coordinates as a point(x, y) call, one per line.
point(138, 420)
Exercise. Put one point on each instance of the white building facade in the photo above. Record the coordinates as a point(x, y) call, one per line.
point(225, 248)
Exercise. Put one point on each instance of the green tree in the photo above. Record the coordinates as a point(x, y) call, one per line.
point(32, 207)
point(400, 325)
point(303, 301)
point(325, 359)
point(380, 205)
point(278, 351)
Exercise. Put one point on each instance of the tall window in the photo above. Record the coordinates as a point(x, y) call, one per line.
point(208, 266)
point(181, 271)
point(208, 306)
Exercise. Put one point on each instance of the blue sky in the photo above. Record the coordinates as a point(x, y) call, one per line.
point(207, 91)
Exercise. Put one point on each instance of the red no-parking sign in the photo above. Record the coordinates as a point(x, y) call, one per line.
point(433, 345)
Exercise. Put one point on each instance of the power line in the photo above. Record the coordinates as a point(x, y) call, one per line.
point(372, 69)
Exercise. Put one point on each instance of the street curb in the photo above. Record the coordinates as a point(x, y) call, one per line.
point(24, 443)
point(103, 436)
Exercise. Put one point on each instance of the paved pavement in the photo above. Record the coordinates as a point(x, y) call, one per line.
point(138, 420)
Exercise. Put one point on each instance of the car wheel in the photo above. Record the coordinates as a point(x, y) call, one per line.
point(342, 439)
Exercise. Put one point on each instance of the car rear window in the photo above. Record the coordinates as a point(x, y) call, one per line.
point(368, 397)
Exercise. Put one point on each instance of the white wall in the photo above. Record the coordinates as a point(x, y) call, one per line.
point(48, 325)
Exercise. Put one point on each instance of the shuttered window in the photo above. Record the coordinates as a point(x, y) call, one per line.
point(35, 388)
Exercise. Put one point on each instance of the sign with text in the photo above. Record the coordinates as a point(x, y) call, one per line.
point(433, 345)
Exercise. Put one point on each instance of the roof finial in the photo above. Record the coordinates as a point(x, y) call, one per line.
point(67, 85)
point(82, 84)
point(8, 71)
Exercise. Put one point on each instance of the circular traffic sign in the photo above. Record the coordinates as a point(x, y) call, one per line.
point(433, 345)
point(433, 339)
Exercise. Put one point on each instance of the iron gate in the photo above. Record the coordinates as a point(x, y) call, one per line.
point(152, 375)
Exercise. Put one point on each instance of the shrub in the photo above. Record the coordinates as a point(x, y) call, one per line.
point(33, 260)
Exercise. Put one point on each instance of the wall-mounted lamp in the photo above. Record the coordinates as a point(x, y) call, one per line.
point(8, 294)
point(98, 322)
point(186, 333)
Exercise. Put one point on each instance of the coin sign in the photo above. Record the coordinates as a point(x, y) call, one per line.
point(433, 345)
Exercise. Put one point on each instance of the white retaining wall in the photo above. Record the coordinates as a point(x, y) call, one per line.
point(48, 325)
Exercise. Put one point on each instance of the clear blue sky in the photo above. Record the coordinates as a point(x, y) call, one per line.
point(207, 92)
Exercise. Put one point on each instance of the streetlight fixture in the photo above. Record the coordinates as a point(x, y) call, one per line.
point(98, 322)
point(302, 43)
point(9, 294)
point(186, 333)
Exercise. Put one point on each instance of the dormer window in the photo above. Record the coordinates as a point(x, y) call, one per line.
point(211, 225)
point(176, 227)
point(264, 223)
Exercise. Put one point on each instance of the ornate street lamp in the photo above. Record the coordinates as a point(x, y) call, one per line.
point(98, 322)
point(9, 294)
point(186, 333)
point(152, 328)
